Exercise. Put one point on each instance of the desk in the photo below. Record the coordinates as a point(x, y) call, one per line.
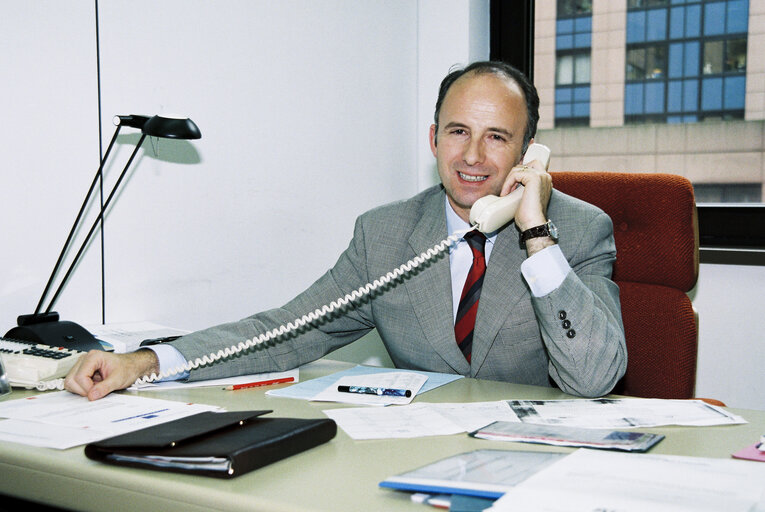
point(340, 475)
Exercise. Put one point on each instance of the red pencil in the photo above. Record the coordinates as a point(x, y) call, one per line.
point(260, 383)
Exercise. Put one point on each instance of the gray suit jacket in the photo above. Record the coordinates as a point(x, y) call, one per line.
point(518, 338)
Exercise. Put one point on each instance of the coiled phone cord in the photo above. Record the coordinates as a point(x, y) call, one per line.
point(306, 319)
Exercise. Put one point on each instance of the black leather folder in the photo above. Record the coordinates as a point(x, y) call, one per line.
point(219, 444)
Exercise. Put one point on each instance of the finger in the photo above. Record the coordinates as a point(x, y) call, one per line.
point(518, 176)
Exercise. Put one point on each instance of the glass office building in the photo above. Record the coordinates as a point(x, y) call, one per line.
point(656, 86)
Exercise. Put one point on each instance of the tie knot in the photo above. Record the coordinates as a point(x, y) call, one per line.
point(476, 240)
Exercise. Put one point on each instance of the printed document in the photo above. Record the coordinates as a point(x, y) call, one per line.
point(589, 480)
point(62, 419)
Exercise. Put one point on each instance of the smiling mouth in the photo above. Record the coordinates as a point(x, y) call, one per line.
point(468, 177)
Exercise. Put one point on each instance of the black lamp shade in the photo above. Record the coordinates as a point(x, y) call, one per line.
point(171, 128)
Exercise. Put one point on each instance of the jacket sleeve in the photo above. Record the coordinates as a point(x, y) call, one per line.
point(581, 322)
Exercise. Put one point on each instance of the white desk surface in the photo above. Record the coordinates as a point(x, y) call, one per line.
point(342, 474)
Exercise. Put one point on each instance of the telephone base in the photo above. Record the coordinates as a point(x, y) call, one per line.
point(57, 333)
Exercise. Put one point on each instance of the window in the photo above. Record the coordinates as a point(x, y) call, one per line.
point(573, 37)
point(685, 60)
point(728, 192)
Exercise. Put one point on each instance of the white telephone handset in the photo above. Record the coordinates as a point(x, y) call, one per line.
point(491, 212)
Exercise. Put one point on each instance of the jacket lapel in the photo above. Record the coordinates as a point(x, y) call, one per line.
point(430, 293)
point(503, 287)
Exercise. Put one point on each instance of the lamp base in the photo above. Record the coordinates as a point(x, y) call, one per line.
point(47, 329)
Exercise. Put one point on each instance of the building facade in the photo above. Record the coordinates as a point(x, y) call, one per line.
point(672, 86)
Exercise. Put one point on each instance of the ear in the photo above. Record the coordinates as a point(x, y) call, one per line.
point(527, 148)
point(433, 139)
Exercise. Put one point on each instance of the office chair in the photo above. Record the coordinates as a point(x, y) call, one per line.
point(657, 244)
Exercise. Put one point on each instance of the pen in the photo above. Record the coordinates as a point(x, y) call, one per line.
point(368, 390)
point(157, 341)
point(260, 383)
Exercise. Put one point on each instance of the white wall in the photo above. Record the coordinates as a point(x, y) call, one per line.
point(729, 301)
point(310, 112)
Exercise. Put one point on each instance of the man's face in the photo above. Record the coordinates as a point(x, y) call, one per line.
point(480, 137)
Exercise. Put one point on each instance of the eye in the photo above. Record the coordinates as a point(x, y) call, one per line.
point(497, 137)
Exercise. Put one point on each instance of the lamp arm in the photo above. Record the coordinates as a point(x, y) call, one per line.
point(76, 221)
point(98, 220)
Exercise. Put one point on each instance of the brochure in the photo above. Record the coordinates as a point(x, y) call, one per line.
point(567, 436)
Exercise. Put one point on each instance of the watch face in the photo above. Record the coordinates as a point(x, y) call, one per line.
point(553, 230)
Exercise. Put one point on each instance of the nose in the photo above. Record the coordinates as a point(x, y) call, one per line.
point(474, 151)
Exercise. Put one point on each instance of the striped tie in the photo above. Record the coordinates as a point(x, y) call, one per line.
point(466, 312)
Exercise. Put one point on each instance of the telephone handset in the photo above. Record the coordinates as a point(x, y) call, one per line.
point(490, 213)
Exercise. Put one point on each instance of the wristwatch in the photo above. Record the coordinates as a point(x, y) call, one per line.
point(546, 229)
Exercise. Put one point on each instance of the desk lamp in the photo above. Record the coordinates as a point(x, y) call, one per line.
point(44, 326)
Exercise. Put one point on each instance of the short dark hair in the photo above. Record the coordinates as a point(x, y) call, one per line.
point(505, 70)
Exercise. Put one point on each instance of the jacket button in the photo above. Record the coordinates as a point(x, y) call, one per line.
point(566, 324)
point(562, 314)
point(571, 333)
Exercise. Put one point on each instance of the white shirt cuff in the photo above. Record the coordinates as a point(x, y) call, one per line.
point(545, 270)
point(169, 357)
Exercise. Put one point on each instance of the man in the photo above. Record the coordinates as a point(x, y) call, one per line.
point(548, 312)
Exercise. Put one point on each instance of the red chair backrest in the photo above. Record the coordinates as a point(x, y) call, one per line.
point(656, 234)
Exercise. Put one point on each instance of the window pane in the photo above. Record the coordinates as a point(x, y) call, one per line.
point(564, 42)
point(654, 98)
point(636, 64)
point(657, 25)
point(582, 94)
point(692, 59)
point(582, 69)
point(675, 60)
point(563, 94)
point(711, 94)
point(656, 61)
point(690, 95)
point(574, 7)
point(564, 73)
point(581, 109)
point(674, 96)
point(735, 89)
point(583, 40)
point(738, 16)
point(633, 99)
point(713, 57)
point(714, 18)
point(735, 55)
point(693, 21)
point(564, 26)
point(677, 22)
point(635, 27)
point(563, 110)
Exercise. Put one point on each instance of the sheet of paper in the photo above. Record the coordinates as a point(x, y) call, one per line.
point(57, 415)
point(415, 420)
point(409, 381)
point(622, 413)
point(127, 337)
point(589, 480)
point(228, 381)
point(306, 390)
point(418, 419)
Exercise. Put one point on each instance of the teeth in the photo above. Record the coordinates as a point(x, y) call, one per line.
point(467, 177)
